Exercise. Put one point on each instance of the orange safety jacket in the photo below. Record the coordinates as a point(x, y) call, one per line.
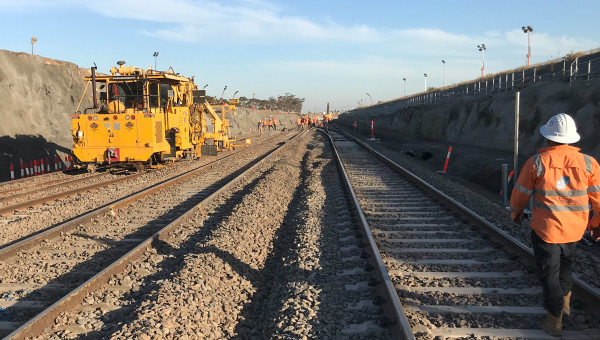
point(298, 121)
point(270, 122)
point(275, 121)
point(564, 182)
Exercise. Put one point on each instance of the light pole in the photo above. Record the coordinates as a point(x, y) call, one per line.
point(235, 94)
point(33, 41)
point(444, 71)
point(528, 30)
point(155, 55)
point(370, 98)
point(425, 74)
point(404, 86)
point(482, 49)
point(222, 93)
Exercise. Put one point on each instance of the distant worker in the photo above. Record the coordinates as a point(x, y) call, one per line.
point(260, 127)
point(275, 123)
point(298, 124)
point(355, 124)
point(270, 124)
point(564, 182)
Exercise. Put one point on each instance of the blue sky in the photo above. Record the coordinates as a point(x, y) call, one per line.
point(324, 51)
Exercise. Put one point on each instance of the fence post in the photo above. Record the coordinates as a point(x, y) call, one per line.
point(523, 80)
point(589, 69)
point(571, 74)
point(505, 184)
point(512, 85)
point(516, 136)
point(499, 83)
point(534, 69)
point(486, 89)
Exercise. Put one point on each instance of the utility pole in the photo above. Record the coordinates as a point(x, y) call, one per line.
point(425, 74)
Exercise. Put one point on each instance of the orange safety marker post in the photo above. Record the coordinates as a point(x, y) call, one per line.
point(47, 165)
point(30, 168)
point(447, 159)
point(70, 162)
point(12, 171)
point(22, 169)
point(35, 167)
point(510, 176)
point(371, 128)
point(42, 166)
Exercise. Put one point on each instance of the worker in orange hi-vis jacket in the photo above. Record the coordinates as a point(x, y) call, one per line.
point(563, 182)
point(270, 124)
point(275, 123)
point(298, 124)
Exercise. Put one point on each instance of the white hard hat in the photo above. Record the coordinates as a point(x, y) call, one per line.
point(560, 129)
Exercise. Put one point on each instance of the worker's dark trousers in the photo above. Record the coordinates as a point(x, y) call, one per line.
point(554, 263)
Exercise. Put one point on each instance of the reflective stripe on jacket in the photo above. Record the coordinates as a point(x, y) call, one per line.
point(564, 182)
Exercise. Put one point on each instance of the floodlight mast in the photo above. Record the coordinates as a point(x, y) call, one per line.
point(528, 30)
point(155, 55)
point(482, 48)
point(444, 71)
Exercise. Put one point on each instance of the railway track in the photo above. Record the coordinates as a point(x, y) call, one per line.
point(38, 271)
point(273, 254)
point(39, 193)
point(453, 278)
point(34, 214)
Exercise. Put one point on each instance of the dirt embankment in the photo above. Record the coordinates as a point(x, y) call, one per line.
point(481, 129)
point(38, 97)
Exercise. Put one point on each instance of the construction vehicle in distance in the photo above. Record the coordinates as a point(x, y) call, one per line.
point(145, 117)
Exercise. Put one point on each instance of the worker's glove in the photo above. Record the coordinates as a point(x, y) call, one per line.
point(518, 217)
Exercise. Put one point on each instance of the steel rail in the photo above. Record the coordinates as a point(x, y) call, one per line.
point(581, 289)
point(53, 182)
point(393, 308)
point(28, 243)
point(50, 198)
point(46, 318)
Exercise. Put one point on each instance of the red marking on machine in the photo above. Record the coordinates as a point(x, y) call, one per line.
point(113, 155)
point(22, 169)
point(12, 172)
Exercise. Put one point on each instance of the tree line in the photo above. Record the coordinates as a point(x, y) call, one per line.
point(287, 102)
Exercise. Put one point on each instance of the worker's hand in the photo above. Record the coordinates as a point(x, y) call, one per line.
point(518, 217)
point(595, 233)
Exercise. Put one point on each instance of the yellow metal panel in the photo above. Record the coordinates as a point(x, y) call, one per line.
point(124, 131)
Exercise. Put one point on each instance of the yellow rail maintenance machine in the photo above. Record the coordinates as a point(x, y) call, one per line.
point(144, 117)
